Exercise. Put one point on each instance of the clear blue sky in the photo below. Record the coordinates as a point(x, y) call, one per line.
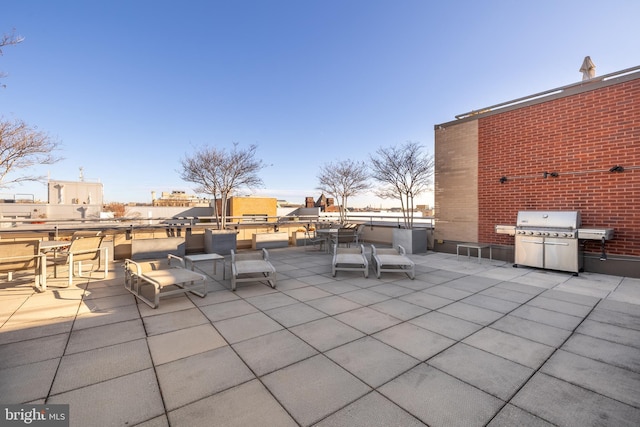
point(131, 87)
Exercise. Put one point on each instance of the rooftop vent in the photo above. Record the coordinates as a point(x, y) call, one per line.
point(588, 69)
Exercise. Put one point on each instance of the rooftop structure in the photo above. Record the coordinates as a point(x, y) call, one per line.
point(562, 149)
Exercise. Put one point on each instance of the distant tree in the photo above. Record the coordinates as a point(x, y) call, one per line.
point(220, 173)
point(21, 147)
point(342, 180)
point(8, 40)
point(404, 172)
point(118, 209)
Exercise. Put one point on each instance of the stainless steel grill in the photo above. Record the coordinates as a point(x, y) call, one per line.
point(549, 239)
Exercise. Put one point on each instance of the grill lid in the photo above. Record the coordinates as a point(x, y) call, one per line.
point(548, 219)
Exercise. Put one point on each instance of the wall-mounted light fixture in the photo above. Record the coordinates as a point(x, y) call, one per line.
point(546, 174)
point(616, 168)
point(503, 179)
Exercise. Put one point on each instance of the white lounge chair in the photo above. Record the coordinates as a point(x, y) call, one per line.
point(392, 260)
point(349, 259)
point(245, 267)
point(160, 275)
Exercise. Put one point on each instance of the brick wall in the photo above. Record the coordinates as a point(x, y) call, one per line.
point(580, 137)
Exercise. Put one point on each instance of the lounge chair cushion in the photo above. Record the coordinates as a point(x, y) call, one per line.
point(350, 259)
point(252, 263)
point(391, 260)
point(160, 274)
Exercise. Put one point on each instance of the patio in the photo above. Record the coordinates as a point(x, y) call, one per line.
point(465, 343)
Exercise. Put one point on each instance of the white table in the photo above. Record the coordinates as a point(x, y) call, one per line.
point(477, 246)
point(52, 246)
point(191, 259)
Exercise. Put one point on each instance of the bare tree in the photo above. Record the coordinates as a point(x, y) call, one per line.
point(405, 172)
point(220, 173)
point(21, 147)
point(342, 180)
point(8, 40)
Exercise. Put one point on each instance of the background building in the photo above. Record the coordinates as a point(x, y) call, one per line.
point(75, 193)
point(177, 198)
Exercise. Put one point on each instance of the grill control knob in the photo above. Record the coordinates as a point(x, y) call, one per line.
point(555, 234)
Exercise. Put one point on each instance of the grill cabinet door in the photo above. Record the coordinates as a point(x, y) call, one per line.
point(561, 254)
point(529, 251)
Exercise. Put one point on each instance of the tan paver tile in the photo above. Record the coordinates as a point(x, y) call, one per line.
point(295, 314)
point(367, 320)
point(446, 325)
point(434, 397)
point(562, 403)
point(42, 328)
point(511, 416)
point(27, 383)
point(125, 400)
point(372, 410)
point(192, 378)
point(245, 327)
point(273, 351)
point(106, 317)
point(314, 388)
point(414, 340)
point(174, 321)
point(227, 310)
point(325, 334)
point(93, 366)
point(33, 350)
point(607, 380)
point(511, 347)
point(183, 343)
point(103, 336)
point(492, 374)
point(229, 408)
point(372, 361)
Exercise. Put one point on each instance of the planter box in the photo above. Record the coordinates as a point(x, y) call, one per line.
point(270, 240)
point(413, 241)
point(220, 242)
point(157, 248)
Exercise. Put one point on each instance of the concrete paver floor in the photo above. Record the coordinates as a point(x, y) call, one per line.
point(463, 344)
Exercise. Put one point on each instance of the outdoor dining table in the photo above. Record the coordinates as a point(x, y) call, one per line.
point(52, 247)
point(328, 234)
point(190, 260)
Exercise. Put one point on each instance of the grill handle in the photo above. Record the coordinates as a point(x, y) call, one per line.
point(537, 242)
point(556, 243)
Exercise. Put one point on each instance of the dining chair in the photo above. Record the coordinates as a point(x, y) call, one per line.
point(345, 236)
point(82, 249)
point(312, 239)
